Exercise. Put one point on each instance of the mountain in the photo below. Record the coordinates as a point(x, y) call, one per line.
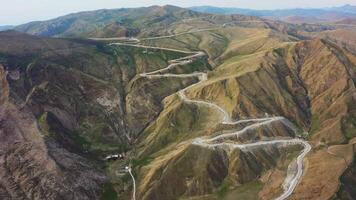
point(199, 106)
point(344, 9)
point(143, 22)
point(298, 15)
point(4, 28)
point(64, 95)
point(257, 71)
point(125, 21)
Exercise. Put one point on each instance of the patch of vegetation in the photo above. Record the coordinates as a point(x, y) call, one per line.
point(93, 125)
point(246, 191)
point(141, 162)
point(197, 65)
point(134, 59)
point(350, 133)
point(108, 193)
point(16, 61)
point(234, 59)
point(43, 125)
point(81, 141)
point(315, 123)
point(183, 123)
point(350, 127)
point(92, 132)
point(292, 152)
point(224, 188)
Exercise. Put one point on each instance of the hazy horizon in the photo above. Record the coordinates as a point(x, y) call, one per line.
point(12, 13)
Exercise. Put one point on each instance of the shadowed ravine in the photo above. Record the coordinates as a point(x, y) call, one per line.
point(294, 174)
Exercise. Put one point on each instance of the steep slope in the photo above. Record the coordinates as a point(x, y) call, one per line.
point(60, 81)
point(86, 87)
point(73, 101)
point(320, 79)
point(300, 76)
point(35, 168)
point(343, 37)
point(260, 69)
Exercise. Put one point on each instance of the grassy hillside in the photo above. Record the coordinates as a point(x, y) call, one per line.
point(106, 23)
point(257, 71)
point(148, 22)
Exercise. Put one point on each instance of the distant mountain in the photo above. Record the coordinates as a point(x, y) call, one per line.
point(7, 27)
point(344, 9)
point(226, 10)
point(298, 15)
point(100, 23)
point(146, 22)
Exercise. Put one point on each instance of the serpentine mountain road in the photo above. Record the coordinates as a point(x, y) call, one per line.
point(294, 173)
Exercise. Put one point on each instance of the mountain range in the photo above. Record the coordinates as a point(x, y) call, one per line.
point(168, 103)
point(297, 15)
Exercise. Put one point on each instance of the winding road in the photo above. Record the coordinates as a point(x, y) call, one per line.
point(293, 174)
point(136, 40)
point(128, 169)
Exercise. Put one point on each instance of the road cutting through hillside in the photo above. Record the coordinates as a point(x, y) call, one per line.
point(293, 176)
point(128, 168)
point(136, 40)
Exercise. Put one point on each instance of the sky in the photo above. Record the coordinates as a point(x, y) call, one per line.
point(14, 12)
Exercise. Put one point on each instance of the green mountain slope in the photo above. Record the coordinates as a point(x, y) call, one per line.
point(125, 21)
